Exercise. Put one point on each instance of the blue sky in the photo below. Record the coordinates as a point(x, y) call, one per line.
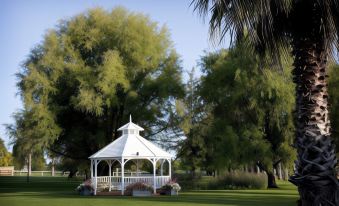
point(23, 24)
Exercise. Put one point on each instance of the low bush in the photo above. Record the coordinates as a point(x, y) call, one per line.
point(233, 180)
point(139, 186)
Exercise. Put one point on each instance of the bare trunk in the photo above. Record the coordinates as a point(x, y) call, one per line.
point(29, 166)
point(271, 183)
point(286, 175)
point(53, 167)
point(315, 167)
point(279, 172)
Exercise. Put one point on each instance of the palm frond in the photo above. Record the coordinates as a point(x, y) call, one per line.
point(269, 24)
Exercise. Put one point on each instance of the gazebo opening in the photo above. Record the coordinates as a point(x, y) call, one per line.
point(130, 159)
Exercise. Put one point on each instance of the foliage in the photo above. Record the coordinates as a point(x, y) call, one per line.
point(85, 186)
point(93, 70)
point(171, 185)
point(228, 180)
point(333, 90)
point(139, 186)
point(194, 117)
point(238, 180)
point(6, 158)
point(272, 25)
point(252, 111)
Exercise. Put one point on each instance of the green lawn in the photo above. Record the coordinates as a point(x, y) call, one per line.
point(59, 191)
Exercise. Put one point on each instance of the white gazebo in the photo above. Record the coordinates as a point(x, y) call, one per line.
point(130, 146)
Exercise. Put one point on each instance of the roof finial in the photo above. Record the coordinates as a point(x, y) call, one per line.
point(130, 118)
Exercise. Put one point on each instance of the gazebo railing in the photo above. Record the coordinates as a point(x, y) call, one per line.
point(115, 182)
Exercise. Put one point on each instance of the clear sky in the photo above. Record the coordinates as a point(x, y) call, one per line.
point(23, 24)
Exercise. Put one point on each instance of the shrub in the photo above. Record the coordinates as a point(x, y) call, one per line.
point(233, 180)
point(239, 180)
point(139, 186)
point(85, 187)
point(171, 185)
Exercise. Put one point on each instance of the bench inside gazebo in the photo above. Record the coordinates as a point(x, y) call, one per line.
point(130, 148)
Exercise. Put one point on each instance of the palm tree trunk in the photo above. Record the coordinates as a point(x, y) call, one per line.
point(315, 167)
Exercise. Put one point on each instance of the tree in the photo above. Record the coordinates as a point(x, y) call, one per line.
point(5, 156)
point(31, 136)
point(252, 108)
point(194, 116)
point(95, 69)
point(311, 29)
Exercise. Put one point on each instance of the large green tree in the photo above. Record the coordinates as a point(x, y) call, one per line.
point(92, 71)
point(194, 122)
point(6, 158)
point(311, 29)
point(31, 134)
point(252, 109)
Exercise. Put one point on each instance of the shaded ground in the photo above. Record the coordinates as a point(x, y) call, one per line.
point(58, 191)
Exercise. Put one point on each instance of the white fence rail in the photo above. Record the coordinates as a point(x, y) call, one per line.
point(115, 182)
point(40, 173)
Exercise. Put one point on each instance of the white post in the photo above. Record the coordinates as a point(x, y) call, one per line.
point(91, 169)
point(122, 176)
point(110, 173)
point(96, 176)
point(137, 167)
point(154, 171)
point(161, 168)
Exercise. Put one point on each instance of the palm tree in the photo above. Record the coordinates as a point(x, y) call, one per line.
point(310, 30)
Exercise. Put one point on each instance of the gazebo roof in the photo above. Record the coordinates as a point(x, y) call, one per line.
point(131, 145)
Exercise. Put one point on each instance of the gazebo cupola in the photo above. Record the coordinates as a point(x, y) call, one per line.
point(130, 128)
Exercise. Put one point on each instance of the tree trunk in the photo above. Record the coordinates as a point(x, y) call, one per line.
point(279, 172)
point(286, 176)
point(315, 167)
point(271, 183)
point(53, 167)
point(29, 166)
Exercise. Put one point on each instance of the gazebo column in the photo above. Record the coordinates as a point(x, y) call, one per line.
point(96, 176)
point(110, 174)
point(162, 168)
point(137, 167)
point(154, 175)
point(122, 176)
point(91, 169)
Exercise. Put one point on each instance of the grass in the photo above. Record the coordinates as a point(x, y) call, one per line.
point(58, 191)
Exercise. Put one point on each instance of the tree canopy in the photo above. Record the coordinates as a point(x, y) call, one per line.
point(5, 156)
point(90, 72)
point(252, 111)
